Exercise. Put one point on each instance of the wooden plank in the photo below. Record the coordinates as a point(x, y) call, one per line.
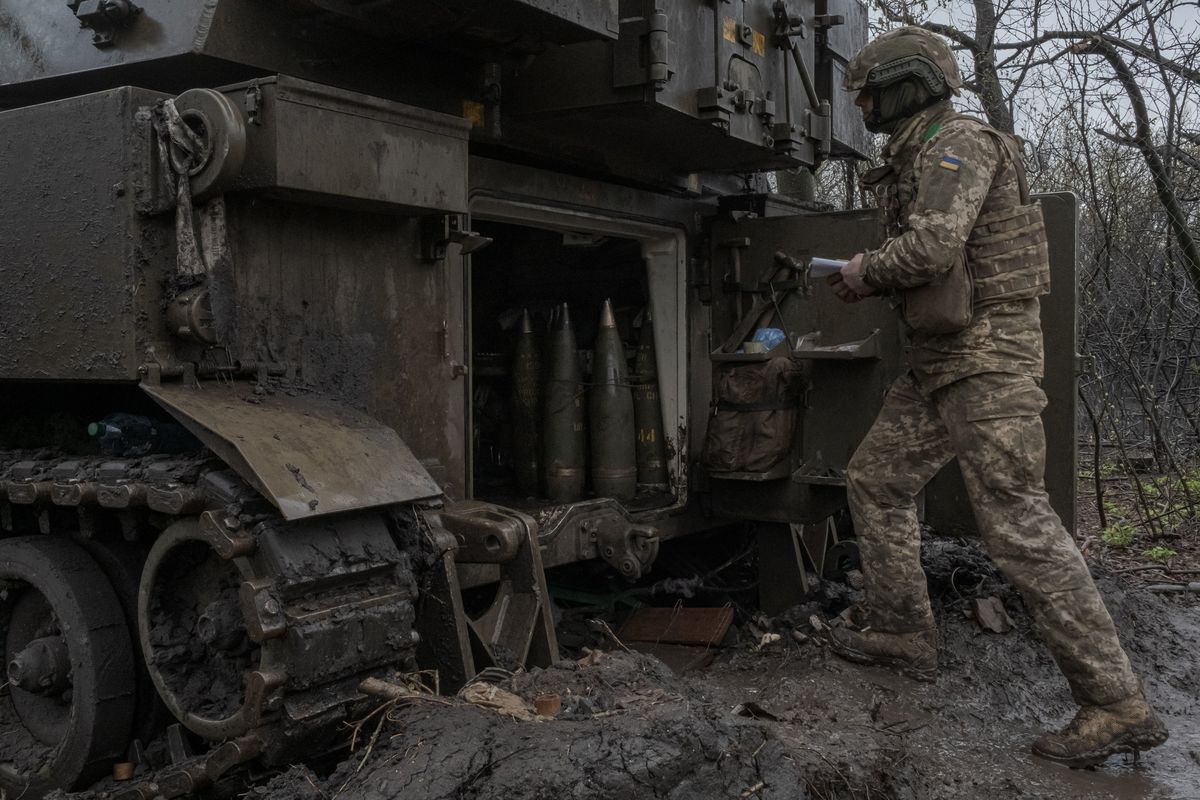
point(691, 626)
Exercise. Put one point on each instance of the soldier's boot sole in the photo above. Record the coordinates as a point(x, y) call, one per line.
point(1131, 741)
point(926, 673)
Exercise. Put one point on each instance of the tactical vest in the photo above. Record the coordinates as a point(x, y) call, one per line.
point(1006, 251)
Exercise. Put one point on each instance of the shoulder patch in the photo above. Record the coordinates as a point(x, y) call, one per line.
point(950, 162)
point(931, 132)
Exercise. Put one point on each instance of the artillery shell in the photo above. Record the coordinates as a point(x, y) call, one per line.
point(614, 459)
point(564, 435)
point(526, 408)
point(647, 412)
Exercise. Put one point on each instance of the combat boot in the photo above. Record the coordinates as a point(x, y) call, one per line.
point(913, 654)
point(1097, 732)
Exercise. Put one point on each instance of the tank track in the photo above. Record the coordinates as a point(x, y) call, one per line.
point(301, 614)
point(40, 487)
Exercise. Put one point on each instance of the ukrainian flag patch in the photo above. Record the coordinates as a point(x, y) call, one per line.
point(951, 163)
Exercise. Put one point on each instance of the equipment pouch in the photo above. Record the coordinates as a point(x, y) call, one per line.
point(945, 304)
point(755, 414)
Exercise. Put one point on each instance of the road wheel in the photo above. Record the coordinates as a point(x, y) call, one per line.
point(66, 713)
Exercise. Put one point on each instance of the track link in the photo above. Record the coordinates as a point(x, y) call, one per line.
point(257, 632)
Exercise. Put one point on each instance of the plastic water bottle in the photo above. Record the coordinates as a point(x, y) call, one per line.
point(126, 435)
point(769, 337)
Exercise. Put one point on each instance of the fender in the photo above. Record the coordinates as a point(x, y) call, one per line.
point(309, 455)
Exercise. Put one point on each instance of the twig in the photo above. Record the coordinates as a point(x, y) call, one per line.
point(822, 756)
point(608, 631)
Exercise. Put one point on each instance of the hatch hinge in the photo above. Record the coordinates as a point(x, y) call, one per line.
point(642, 54)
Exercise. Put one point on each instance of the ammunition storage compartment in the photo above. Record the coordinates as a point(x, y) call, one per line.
point(537, 271)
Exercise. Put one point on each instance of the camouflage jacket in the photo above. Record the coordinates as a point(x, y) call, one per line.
point(947, 167)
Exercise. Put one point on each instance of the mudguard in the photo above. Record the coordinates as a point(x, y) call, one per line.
point(307, 454)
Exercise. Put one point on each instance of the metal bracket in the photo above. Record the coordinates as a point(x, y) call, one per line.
point(104, 17)
point(630, 548)
point(516, 629)
point(439, 232)
point(828, 20)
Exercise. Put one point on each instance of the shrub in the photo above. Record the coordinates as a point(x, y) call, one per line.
point(1119, 534)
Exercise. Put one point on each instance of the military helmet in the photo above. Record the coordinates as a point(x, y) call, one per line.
point(903, 53)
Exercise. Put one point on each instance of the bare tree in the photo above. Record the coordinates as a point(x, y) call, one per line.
point(1105, 95)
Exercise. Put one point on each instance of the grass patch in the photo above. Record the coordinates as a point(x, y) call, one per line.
point(1119, 534)
point(1159, 553)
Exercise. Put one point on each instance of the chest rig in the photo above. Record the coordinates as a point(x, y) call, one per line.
point(1006, 251)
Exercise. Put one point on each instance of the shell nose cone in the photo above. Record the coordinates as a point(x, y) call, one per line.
point(564, 318)
point(607, 318)
point(526, 322)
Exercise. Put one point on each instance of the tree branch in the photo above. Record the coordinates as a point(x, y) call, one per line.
point(1141, 138)
point(949, 31)
point(1182, 70)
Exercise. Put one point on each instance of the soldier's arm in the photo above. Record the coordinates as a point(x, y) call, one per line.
point(955, 171)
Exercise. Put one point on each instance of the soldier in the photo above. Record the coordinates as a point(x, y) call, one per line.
point(966, 253)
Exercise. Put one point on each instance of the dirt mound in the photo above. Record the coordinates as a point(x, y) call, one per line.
point(790, 721)
point(628, 729)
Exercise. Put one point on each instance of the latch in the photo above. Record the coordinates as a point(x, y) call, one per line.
point(716, 104)
point(104, 17)
point(252, 102)
point(788, 28)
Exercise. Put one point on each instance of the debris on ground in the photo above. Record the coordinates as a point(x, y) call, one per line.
point(991, 615)
point(493, 698)
point(788, 721)
point(791, 721)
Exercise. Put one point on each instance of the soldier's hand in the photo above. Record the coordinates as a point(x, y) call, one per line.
point(841, 289)
point(848, 284)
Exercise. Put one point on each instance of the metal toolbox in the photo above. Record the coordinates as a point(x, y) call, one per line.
point(345, 148)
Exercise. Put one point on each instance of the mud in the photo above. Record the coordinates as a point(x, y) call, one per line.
point(205, 678)
point(791, 721)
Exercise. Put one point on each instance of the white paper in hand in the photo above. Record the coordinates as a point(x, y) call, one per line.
point(824, 267)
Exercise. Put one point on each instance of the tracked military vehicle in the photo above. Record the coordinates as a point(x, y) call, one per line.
point(303, 332)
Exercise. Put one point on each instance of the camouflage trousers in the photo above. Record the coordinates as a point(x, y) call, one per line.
point(991, 423)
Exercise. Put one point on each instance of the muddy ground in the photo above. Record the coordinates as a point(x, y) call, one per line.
point(790, 720)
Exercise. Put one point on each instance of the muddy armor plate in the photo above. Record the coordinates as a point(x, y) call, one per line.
point(309, 455)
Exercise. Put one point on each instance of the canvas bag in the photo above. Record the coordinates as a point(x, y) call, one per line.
point(755, 413)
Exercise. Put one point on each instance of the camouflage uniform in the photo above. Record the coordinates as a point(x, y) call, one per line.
point(972, 395)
